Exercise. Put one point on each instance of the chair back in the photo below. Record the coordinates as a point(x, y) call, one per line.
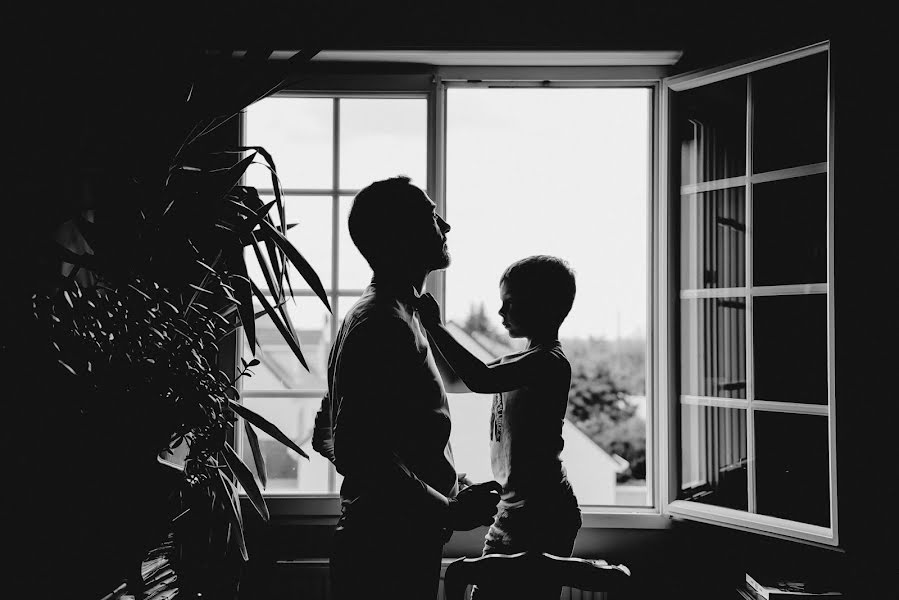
point(526, 568)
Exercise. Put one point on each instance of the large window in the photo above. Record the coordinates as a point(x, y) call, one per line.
point(563, 171)
point(751, 214)
point(325, 150)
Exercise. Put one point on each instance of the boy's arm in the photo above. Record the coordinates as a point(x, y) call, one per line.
point(452, 383)
point(482, 378)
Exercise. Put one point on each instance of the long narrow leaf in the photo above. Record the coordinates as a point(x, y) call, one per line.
point(244, 295)
point(276, 187)
point(305, 269)
point(260, 423)
point(258, 457)
point(232, 506)
point(273, 288)
point(246, 479)
point(288, 335)
point(231, 176)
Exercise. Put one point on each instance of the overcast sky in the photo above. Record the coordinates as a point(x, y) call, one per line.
point(529, 171)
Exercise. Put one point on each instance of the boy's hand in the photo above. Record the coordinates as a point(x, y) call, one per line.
point(428, 310)
point(474, 506)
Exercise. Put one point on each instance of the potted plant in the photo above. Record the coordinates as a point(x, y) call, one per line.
point(154, 283)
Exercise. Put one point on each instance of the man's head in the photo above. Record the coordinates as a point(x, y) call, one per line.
point(537, 294)
point(394, 225)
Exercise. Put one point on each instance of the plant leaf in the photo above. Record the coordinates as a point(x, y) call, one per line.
point(258, 457)
point(232, 507)
point(273, 289)
point(265, 426)
point(244, 295)
point(305, 269)
point(288, 335)
point(246, 479)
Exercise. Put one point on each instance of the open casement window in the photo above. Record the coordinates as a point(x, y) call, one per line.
point(747, 313)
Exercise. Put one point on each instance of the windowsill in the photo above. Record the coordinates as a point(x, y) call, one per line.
point(325, 508)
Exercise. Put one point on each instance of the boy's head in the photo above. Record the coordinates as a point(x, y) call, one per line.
point(537, 294)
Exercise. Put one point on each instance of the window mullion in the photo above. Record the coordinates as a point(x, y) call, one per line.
point(335, 245)
point(750, 371)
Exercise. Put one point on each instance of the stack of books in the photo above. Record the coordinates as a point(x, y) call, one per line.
point(765, 587)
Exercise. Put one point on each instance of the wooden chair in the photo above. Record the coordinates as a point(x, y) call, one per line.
point(533, 567)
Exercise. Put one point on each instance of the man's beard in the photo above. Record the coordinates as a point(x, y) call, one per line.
point(441, 261)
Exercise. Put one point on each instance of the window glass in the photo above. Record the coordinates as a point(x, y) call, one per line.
point(711, 131)
point(354, 270)
point(790, 114)
point(561, 172)
point(311, 235)
point(279, 368)
point(713, 457)
point(298, 133)
point(790, 225)
point(286, 470)
point(713, 239)
point(381, 138)
point(792, 467)
point(790, 348)
point(713, 347)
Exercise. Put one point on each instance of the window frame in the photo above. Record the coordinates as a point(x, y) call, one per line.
point(668, 399)
point(432, 82)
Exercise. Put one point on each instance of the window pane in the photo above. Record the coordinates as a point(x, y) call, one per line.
point(287, 471)
point(381, 138)
point(789, 244)
point(792, 478)
point(298, 133)
point(790, 348)
point(279, 368)
point(713, 456)
point(311, 236)
point(354, 272)
point(344, 304)
point(790, 114)
point(713, 347)
point(711, 128)
point(713, 239)
point(561, 172)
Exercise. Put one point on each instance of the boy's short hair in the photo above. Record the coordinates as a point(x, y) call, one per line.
point(546, 282)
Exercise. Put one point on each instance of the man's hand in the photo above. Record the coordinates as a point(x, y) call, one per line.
point(474, 506)
point(428, 310)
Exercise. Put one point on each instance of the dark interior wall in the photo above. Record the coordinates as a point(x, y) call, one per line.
point(87, 84)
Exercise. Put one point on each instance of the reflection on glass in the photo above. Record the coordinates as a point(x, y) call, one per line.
point(790, 348)
point(279, 368)
point(354, 273)
point(713, 239)
point(311, 236)
point(792, 478)
point(711, 125)
point(297, 133)
point(381, 138)
point(790, 114)
point(713, 347)
point(286, 470)
point(713, 456)
point(790, 231)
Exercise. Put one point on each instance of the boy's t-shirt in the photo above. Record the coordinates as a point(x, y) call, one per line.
point(526, 430)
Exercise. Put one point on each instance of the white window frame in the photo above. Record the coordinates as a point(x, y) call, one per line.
point(668, 398)
point(433, 83)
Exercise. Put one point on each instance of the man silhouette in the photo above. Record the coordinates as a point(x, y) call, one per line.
point(389, 416)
